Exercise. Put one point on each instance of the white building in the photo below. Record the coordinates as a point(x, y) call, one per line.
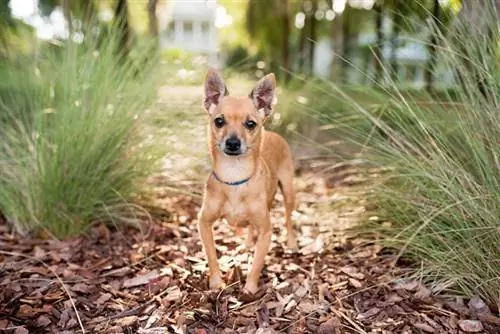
point(411, 56)
point(189, 25)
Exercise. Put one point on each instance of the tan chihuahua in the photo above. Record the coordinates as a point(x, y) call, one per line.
point(249, 163)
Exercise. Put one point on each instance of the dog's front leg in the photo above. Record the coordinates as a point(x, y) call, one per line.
point(205, 228)
point(263, 225)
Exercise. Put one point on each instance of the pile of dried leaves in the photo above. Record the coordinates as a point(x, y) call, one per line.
point(124, 281)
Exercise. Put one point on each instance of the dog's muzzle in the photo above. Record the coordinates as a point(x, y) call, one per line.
point(233, 146)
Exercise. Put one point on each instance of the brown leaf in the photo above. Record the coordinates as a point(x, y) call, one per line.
point(478, 306)
point(42, 321)
point(141, 279)
point(425, 327)
point(489, 318)
point(4, 323)
point(26, 311)
point(422, 293)
point(39, 253)
point(301, 291)
point(355, 283)
point(65, 318)
point(21, 330)
point(353, 272)
point(393, 298)
point(470, 326)
point(103, 298)
point(174, 294)
point(407, 285)
point(127, 321)
point(308, 307)
point(329, 326)
point(82, 288)
point(368, 314)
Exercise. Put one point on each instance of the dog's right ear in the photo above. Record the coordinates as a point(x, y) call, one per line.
point(215, 89)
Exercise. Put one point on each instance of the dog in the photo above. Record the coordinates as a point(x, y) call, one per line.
point(248, 165)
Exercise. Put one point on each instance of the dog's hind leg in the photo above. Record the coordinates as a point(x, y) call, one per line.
point(285, 177)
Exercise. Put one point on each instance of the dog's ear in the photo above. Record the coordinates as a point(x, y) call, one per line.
point(215, 89)
point(263, 94)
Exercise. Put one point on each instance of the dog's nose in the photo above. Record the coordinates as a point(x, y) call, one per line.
point(233, 144)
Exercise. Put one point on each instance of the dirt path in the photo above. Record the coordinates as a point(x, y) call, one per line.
point(122, 280)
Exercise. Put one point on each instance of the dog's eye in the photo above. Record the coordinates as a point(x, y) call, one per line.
point(250, 125)
point(219, 122)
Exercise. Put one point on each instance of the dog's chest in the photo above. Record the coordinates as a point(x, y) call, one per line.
point(235, 211)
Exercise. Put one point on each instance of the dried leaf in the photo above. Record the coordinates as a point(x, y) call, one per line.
point(329, 326)
point(422, 293)
point(82, 288)
point(174, 294)
point(407, 285)
point(103, 298)
point(425, 327)
point(470, 326)
point(21, 330)
point(353, 272)
point(127, 321)
point(141, 279)
point(355, 283)
point(42, 321)
point(290, 306)
point(368, 314)
point(478, 306)
point(301, 291)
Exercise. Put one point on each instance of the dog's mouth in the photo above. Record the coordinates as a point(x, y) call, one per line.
point(233, 153)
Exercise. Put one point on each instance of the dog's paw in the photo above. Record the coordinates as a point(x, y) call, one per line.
point(251, 288)
point(216, 283)
point(247, 296)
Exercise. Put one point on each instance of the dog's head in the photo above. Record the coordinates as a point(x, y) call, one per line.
point(236, 122)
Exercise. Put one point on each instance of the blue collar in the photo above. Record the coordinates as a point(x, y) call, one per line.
point(235, 183)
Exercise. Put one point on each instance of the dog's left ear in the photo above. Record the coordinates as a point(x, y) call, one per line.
point(263, 94)
point(215, 89)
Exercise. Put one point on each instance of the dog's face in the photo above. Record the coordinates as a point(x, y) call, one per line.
point(236, 122)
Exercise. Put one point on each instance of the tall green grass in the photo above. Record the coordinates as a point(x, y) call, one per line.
point(443, 197)
point(71, 151)
point(441, 201)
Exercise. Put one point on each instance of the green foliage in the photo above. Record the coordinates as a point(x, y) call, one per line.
point(71, 151)
point(441, 202)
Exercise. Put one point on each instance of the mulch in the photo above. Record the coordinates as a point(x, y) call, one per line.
point(123, 280)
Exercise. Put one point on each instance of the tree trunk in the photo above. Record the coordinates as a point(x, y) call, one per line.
point(152, 18)
point(396, 30)
point(123, 29)
point(431, 63)
point(285, 41)
point(346, 49)
point(302, 40)
point(312, 36)
point(379, 61)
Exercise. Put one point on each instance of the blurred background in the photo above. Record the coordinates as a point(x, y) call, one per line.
point(396, 99)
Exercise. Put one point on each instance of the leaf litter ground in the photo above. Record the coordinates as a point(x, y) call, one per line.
point(125, 280)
